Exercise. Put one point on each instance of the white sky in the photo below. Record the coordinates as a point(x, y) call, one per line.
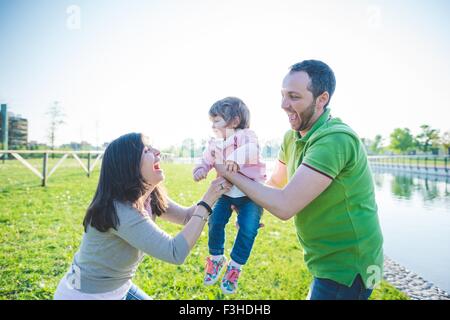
point(157, 66)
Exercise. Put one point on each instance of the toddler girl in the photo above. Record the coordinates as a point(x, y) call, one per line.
point(237, 147)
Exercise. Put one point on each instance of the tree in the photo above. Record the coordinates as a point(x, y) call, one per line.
point(427, 137)
point(187, 148)
point(376, 145)
point(445, 141)
point(270, 149)
point(56, 120)
point(401, 140)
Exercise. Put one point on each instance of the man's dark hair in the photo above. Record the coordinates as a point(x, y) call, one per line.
point(321, 75)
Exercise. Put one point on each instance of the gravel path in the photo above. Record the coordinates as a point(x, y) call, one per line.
point(410, 283)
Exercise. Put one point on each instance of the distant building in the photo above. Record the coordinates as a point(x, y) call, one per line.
point(17, 131)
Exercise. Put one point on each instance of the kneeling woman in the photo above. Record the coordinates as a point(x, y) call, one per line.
point(120, 224)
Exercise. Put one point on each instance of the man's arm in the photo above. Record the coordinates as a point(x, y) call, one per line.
point(278, 179)
point(305, 186)
point(178, 214)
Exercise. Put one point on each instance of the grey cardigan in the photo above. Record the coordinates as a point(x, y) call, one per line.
point(108, 260)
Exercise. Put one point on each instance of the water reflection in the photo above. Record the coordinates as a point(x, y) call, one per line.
point(404, 185)
point(414, 211)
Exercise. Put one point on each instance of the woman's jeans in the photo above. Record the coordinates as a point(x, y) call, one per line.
point(136, 294)
point(248, 219)
point(326, 289)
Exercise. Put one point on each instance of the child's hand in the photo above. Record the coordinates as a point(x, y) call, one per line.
point(200, 174)
point(231, 166)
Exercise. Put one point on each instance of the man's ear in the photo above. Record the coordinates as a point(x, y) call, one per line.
point(322, 100)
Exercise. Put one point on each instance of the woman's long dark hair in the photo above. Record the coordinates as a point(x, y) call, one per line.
point(121, 180)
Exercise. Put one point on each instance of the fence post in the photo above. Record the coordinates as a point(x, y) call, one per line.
point(89, 165)
point(4, 110)
point(44, 170)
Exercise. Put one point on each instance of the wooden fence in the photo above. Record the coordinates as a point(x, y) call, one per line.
point(93, 158)
point(45, 174)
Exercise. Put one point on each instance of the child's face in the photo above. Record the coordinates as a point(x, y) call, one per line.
point(220, 127)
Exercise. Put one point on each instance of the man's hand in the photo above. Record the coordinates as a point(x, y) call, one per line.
point(232, 166)
point(200, 174)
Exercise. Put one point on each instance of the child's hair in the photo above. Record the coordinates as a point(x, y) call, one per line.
point(230, 108)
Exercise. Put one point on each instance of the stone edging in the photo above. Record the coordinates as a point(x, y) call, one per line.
point(410, 283)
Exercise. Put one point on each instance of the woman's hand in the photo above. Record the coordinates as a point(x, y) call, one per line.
point(218, 187)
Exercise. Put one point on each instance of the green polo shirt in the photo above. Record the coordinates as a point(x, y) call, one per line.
point(339, 230)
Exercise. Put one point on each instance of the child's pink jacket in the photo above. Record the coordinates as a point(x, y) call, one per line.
point(242, 147)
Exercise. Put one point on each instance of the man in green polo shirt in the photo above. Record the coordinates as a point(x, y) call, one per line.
point(323, 180)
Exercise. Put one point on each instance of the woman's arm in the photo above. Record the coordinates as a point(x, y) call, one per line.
point(142, 232)
point(178, 214)
point(193, 229)
point(284, 203)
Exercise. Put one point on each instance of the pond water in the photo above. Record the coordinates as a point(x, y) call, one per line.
point(414, 213)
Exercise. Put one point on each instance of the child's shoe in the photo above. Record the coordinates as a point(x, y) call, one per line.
point(230, 280)
point(212, 270)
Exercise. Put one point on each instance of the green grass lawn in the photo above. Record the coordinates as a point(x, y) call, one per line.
point(41, 229)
